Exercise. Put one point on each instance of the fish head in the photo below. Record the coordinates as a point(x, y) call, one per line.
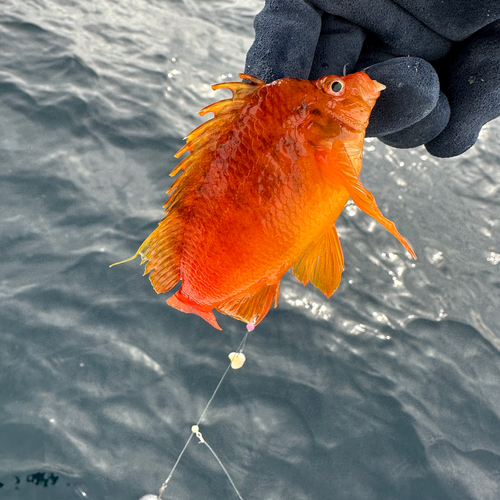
point(348, 99)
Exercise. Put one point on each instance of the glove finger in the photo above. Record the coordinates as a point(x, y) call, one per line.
point(339, 46)
point(471, 80)
point(412, 93)
point(286, 35)
point(424, 130)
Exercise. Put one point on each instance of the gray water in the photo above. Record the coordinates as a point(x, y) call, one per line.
point(388, 390)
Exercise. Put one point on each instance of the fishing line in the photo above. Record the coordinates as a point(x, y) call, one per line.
point(195, 429)
point(237, 359)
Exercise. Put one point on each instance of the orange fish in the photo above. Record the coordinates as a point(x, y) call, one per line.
point(260, 191)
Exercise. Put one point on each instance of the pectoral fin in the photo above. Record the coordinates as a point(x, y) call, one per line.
point(322, 263)
point(342, 170)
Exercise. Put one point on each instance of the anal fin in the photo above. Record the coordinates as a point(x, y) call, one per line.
point(322, 263)
point(251, 307)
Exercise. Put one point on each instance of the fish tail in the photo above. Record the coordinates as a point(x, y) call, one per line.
point(252, 306)
point(184, 304)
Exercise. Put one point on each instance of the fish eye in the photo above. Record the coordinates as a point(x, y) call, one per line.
point(336, 86)
point(332, 85)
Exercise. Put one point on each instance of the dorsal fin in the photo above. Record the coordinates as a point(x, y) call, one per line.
point(322, 263)
point(215, 107)
point(161, 252)
point(241, 89)
point(186, 163)
point(253, 79)
point(222, 111)
point(163, 247)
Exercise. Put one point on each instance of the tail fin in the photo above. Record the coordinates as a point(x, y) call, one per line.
point(183, 304)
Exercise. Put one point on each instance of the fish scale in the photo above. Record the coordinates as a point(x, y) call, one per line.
point(259, 193)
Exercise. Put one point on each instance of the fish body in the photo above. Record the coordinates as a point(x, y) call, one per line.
point(259, 193)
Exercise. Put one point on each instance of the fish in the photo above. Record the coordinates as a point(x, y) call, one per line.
point(259, 193)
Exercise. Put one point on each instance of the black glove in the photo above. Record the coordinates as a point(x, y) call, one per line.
point(439, 59)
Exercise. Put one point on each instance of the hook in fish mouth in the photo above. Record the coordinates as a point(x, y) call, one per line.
point(379, 86)
point(368, 67)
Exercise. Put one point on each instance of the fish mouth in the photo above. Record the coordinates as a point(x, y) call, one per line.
point(379, 86)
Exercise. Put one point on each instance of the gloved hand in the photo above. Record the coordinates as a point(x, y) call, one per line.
point(439, 59)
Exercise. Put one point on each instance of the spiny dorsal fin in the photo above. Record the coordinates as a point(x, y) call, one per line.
point(241, 89)
point(253, 79)
point(222, 114)
point(322, 263)
point(161, 250)
point(215, 107)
